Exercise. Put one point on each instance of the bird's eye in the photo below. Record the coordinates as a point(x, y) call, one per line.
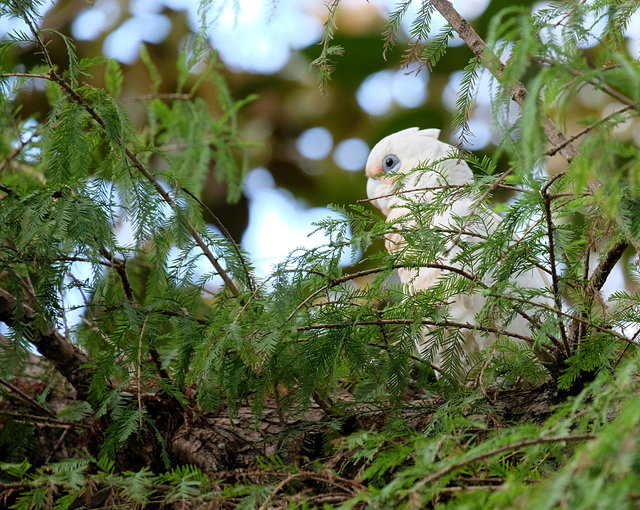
point(391, 163)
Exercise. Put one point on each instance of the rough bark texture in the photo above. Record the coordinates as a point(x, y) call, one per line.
point(215, 442)
point(67, 357)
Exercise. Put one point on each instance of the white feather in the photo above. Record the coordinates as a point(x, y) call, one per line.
point(420, 148)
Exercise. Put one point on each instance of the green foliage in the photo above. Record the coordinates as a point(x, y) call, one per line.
point(409, 469)
point(323, 63)
point(154, 331)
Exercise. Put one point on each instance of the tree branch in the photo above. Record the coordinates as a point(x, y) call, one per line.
point(426, 322)
point(133, 158)
point(68, 359)
point(518, 92)
point(497, 451)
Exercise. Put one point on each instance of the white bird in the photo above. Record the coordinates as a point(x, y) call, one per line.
point(411, 165)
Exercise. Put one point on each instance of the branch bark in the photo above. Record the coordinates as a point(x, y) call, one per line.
point(597, 280)
point(519, 92)
point(68, 359)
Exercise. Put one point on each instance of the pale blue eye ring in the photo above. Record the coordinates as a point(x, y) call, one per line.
point(390, 163)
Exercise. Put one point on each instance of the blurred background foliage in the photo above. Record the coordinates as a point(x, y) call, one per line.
point(302, 135)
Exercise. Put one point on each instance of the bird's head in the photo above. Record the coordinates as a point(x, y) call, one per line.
point(400, 153)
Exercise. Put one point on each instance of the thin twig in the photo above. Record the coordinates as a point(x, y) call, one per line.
point(58, 444)
point(342, 279)
point(349, 486)
point(334, 283)
point(30, 400)
point(554, 310)
point(595, 283)
point(24, 75)
point(478, 204)
point(43, 421)
point(14, 154)
point(572, 138)
point(171, 313)
point(84, 259)
point(160, 95)
point(139, 371)
point(404, 191)
point(227, 234)
point(426, 322)
point(497, 451)
point(607, 89)
point(120, 267)
point(552, 259)
point(325, 405)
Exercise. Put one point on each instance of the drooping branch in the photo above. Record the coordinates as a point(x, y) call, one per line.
point(134, 160)
point(68, 359)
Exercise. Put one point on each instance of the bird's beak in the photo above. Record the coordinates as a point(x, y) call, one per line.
point(373, 193)
point(372, 186)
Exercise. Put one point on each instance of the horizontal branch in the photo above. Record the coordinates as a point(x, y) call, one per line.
point(426, 322)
